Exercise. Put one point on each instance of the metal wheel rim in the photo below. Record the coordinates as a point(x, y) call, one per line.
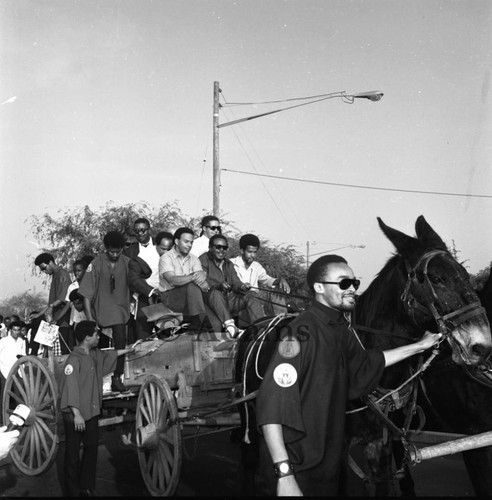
point(29, 382)
point(161, 467)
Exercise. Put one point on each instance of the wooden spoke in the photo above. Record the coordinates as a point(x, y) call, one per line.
point(19, 387)
point(30, 383)
point(159, 457)
point(42, 392)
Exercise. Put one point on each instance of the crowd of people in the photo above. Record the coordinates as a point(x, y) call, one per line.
point(187, 275)
point(319, 363)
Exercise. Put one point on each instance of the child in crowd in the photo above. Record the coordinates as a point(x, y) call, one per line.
point(77, 305)
point(79, 267)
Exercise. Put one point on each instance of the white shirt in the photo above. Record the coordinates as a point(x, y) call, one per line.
point(150, 255)
point(173, 261)
point(75, 316)
point(200, 246)
point(9, 349)
point(254, 274)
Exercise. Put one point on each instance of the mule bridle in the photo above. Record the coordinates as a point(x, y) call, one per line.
point(446, 323)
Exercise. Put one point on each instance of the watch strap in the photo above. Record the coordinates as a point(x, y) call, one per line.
point(283, 468)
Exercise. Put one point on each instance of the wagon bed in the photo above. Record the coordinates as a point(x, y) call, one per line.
point(182, 380)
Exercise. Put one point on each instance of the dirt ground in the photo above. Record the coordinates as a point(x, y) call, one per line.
point(210, 467)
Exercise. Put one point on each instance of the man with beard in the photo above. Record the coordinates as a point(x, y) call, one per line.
point(319, 364)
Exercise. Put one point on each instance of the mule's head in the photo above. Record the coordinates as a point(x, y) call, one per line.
point(438, 294)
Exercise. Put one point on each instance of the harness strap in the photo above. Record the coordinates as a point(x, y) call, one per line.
point(357, 470)
point(383, 332)
point(379, 413)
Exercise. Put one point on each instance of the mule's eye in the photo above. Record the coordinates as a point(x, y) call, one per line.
point(435, 280)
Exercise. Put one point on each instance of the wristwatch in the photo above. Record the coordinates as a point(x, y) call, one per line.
point(283, 469)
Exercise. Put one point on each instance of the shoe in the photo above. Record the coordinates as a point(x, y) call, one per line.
point(232, 331)
point(117, 385)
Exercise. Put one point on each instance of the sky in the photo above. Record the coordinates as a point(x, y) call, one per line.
point(113, 101)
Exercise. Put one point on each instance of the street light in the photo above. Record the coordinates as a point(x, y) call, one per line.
point(373, 95)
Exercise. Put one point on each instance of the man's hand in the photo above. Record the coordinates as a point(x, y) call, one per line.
point(429, 340)
point(225, 287)
point(287, 487)
point(283, 285)
point(7, 441)
point(245, 287)
point(199, 277)
point(204, 287)
point(78, 420)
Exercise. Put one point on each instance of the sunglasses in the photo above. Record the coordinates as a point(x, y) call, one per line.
point(344, 283)
point(221, 247)
point(214, 228)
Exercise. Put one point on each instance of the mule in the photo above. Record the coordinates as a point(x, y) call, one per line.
point(458, 398)
point(421, 287)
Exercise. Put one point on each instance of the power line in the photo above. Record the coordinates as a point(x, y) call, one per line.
point(358, 186)
point(331, 94)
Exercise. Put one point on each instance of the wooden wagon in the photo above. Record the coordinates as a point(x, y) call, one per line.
point(174, 382)
point(180, 381)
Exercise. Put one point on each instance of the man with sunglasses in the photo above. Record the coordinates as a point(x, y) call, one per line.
point(210, 226)
point(318, 366)
point(143, 276)
point(225, 287)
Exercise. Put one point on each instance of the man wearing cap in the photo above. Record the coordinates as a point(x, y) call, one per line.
point(319, 364)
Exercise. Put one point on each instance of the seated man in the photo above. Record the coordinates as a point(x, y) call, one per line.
point(253, 273)
point(226, 295)
point(183, 279)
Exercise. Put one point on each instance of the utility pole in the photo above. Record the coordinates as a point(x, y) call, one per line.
point(216, 178)
point(374, 95)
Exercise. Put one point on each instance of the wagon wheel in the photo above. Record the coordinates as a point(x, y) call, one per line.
point(159, 441)
point(30, 383)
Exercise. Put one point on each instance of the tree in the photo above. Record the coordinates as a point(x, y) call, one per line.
point(22, 304)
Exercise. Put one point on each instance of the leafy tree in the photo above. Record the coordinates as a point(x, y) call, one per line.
point(481, 277)
point(22, 304)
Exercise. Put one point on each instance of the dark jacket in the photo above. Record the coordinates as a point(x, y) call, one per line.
point(217, 276)
point(133, 250)
point(138, 272)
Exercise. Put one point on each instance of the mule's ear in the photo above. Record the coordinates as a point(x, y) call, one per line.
point(405, 245)
point(427, 235)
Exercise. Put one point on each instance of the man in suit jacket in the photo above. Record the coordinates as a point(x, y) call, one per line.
point(143, 274)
